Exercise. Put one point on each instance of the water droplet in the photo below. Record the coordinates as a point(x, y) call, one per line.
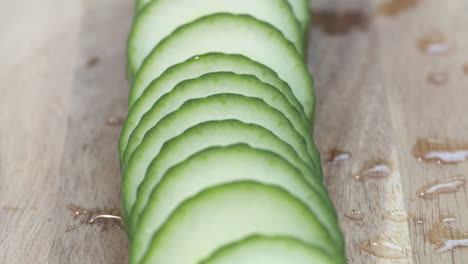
point(355, 215)
point(115, 121)
point(397, 216)
point(434, 43)
point(446, 238)
point(335, 156)
point(447, 218)
point(437, 78)
point(438, 187)
point(100, 217)
point(419, 220)
point(105, 217)
point(446, 152)
point(395, 7)
point(334, 23)
point(377, 170)
point(384, 248)
point(93, 61)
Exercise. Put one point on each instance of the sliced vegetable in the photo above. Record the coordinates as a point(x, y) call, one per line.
point(205, 135)
point(193, 68)
point(299, 7)
point(302, 12)
point(220, 165)
point(216, 83)
point(218, 161)
point(157, 21)
point(195, 111)
point(227, 213)
point(240, 34)
point(259, 249)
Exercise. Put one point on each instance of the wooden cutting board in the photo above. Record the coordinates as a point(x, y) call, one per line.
point(385, 76)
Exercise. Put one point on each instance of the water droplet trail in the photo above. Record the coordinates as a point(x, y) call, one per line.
point(384, 248)
point(397, 216)
point(438, 151)
point(336, 156)
point(439, 187)
point(434, 43)
point(377, 170)
point(355, 215)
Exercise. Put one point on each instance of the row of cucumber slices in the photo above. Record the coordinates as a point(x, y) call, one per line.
point(218, 163)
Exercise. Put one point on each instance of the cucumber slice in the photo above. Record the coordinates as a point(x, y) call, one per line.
point(192, 68)
point(202, 136)
point(302, 13)
point(240, 34)
point(269, 250)
point(215, 83)
point(220, 165)
point(206, 63)
point(230, 212)
point(300, 9)
point(162, 17)
point(195, 111)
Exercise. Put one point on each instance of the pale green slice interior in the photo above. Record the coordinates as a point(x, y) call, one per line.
point(220, 165)
point(228, 213)
point(228, 33)
point(205, 135)
point(259, 249)
point(195, 111)
point(161, 17)
point(193, 68)
point(216, 83)
point(299, 7)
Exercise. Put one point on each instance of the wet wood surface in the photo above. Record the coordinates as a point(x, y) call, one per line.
point(389, 74)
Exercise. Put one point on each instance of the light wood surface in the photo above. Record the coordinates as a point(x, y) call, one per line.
point(62, 78)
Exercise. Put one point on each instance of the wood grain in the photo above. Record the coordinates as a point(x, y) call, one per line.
point(375, 101)
point(62, 77)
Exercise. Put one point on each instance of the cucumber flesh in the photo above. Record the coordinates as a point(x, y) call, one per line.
point(202, 136)
point(193, 68)
point(259, 249)
point(240, 34)
point(300, 9)
point(220, 165)
point(216, 83)
point(302, 13)
point(195, 111)
point(193, 193)
point(227, 213)
point(162, 17)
